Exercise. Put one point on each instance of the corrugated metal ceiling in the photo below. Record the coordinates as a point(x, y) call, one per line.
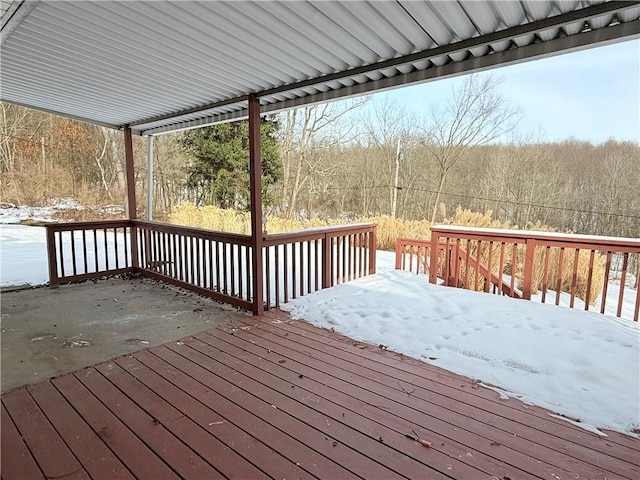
point(163, 65)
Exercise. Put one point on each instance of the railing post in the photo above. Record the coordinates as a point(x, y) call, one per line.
point(433, 261)
point(52, 256)
point(326, 261)
point(399, 248)
point(529, 260)
point(373, 245)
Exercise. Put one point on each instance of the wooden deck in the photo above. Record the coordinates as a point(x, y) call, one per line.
point(273, 398)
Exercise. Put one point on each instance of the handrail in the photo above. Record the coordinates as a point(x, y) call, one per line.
point(552, 238)
point(484, 271)
point(96, 224)
point(211, 263)
point(316, 232)
point(75, 256)
point(238, 238)
point(546, 260)
point(319, 258)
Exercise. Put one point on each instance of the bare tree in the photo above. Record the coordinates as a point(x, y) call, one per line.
point(476, 115)
point(306, 133)
point(389, 130)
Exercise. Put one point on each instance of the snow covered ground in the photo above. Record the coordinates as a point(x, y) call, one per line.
point(10, 213)
point(23, 255)
point(580, 364)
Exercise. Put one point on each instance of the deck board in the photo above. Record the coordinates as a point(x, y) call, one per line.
point(505, 431)
point(17, 461)
point(47, 447)
point(455, 386)
point(131, 451)
point(268, 397)
point(91, 452)
point(458, 436)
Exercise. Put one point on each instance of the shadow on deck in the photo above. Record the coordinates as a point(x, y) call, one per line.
point(268, 397)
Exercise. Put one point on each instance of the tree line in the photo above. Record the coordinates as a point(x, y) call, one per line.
point(361, 157)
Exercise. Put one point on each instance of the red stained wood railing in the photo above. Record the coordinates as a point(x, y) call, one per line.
point(298, 263)
point(520, 264)
point(214, 264)
point(84, 250)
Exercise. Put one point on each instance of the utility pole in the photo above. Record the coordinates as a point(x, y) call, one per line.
point(394, 203)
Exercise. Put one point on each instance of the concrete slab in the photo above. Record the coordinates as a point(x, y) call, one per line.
point(47, 332)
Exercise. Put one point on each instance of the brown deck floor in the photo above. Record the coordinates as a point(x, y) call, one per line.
point(273, 398)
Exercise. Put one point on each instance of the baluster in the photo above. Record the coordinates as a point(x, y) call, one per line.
point(545, 275)
point(623, 281)
point(574, 277)
point(559, 275)
point(587, 299)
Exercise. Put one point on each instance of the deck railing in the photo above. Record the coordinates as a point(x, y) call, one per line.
point(214, 264)
point(572, 270)
point(299, 263)
point(85, 250)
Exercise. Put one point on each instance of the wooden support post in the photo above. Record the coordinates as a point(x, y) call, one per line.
point(131, 193)
point(255, 189)
point(433, 262)
point(399, 252)
point(52, 257)
point(373, 246)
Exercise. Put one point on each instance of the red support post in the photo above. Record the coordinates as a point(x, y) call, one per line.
point(131, 179)
point(433, 261)
point(52, 258)
point(373, 246)
point(255, 188)
point(399, 252)
point(131, 193)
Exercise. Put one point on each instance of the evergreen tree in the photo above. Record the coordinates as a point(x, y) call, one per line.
point(220, 170)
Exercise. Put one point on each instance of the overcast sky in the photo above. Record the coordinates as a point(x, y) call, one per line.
point(590, 95)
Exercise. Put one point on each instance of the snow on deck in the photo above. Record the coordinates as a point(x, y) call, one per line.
point(580, 364)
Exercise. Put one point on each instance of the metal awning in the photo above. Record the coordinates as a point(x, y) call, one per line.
point(160, 66)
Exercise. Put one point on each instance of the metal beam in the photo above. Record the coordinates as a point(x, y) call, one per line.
point(255, 188)
point(556, 21)
point(581, 41)
point(73, 117)
point(14, 16)
point(593, 38)
point(464, 45)
point(198, 122)
point(189, 111)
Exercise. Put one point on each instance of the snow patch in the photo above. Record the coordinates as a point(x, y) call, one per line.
point(582, 365)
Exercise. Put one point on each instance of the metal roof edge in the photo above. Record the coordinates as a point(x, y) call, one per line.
point(593, 38)
point(14, 17)
point(73, 117)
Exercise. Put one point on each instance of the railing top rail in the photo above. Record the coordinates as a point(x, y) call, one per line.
point(199, 232)
point(413, 241)
point(316, 233)
point(96, 224)
point(540, 237)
